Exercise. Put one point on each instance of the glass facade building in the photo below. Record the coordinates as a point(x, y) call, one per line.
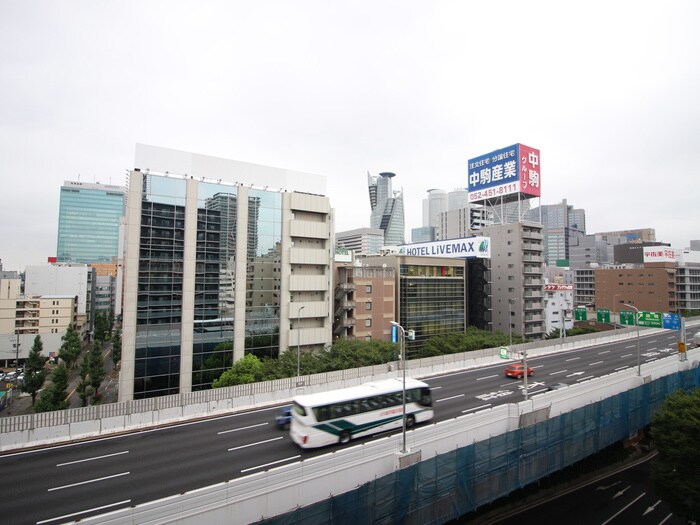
point(211, 272)
point(88, 222)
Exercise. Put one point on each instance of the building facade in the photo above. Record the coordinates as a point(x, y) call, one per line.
point(559, 301)
point(88, 222)
point(561, 224)
point(362, 241)
point(364, 301)
point(517, 278)
point(215, 270)
point(387, 208)
point(650, 288)
point(430, 296)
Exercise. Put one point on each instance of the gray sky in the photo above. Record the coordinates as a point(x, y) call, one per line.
point(608, 91)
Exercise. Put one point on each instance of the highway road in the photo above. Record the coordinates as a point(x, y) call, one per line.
point(626, 496)
point(72, 481)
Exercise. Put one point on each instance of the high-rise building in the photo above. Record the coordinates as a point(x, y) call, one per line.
point(215, 270)
point(517, 278)
point(387, 208)
point(362, 241)
point(433, 206)
point(562, 223)
point(88, 222)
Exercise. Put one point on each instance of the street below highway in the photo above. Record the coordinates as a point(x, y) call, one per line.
point(625, 496)
point(72, 481)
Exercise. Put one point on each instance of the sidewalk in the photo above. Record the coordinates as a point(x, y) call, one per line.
point(22, 403)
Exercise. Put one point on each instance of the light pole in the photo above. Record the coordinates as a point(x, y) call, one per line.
point(615, 310)
point(299, 342)
point(402, 345)
point(636, 321)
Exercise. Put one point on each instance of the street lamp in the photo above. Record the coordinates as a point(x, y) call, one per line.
point(299, 342)
point(615, 310)
point(636, 321)
point(402, 345)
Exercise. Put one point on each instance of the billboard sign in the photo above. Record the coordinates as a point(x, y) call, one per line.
point(343, 255)
point(506, 171)
point(580, 313)
point(469, 247)
point(655, 254)
point(558, 287)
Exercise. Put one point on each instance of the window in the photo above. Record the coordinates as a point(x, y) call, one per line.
point(368, 322)
point(368, 338)
point(368, 305)
point(368, 288)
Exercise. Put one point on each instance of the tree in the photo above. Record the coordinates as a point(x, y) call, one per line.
point(34, 373)
point(53, 397)
point(245, 370)
point(675, 473)
point(117, 347)
point(96, 369)
point(70, 347)
point(83, 389)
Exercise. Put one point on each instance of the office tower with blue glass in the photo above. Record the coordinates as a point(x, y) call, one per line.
point(88, 222)
point(215, 270)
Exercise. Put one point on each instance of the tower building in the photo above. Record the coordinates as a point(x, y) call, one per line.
point(387, 208)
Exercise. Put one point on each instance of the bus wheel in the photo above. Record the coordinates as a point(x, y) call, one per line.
point(410, 421)
point(344, 437)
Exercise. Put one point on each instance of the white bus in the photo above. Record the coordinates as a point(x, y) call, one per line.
point(338, 416)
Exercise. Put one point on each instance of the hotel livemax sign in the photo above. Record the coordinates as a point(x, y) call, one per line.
point(468, 247)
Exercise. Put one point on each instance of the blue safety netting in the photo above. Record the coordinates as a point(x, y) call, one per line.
point(456, 483)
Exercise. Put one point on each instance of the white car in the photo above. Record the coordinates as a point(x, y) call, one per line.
point(2, 375)
point(10, 376)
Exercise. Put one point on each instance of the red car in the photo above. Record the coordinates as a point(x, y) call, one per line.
point(516, 370)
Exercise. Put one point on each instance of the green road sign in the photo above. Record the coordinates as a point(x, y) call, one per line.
point(650, 319)
point(627, 317)
point(504, 352)
point(580, 313)
point(603, 315)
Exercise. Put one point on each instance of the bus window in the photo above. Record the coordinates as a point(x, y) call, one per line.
point(426, 399)
point(299, 409)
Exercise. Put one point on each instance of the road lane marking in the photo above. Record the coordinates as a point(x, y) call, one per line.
point(575, 374)
point(242, 428)
point(84, 512)
point(626, 355)
point(604, 352)
point(272, 463)
point(89, 481)
point(476, 408)
point(558, 372)
point(488, 377)
point(435, 387)
point(585, 378)
point(92, 459)
point(253, 444)
point(596, 363)
point(651, 341)
point(631, 346)
point(665, 519)
point(620, 368)
point(574, 358)
point(623, 509)
point(448, 398)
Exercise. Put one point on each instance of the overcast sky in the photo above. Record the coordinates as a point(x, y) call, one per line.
point(607, 90)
